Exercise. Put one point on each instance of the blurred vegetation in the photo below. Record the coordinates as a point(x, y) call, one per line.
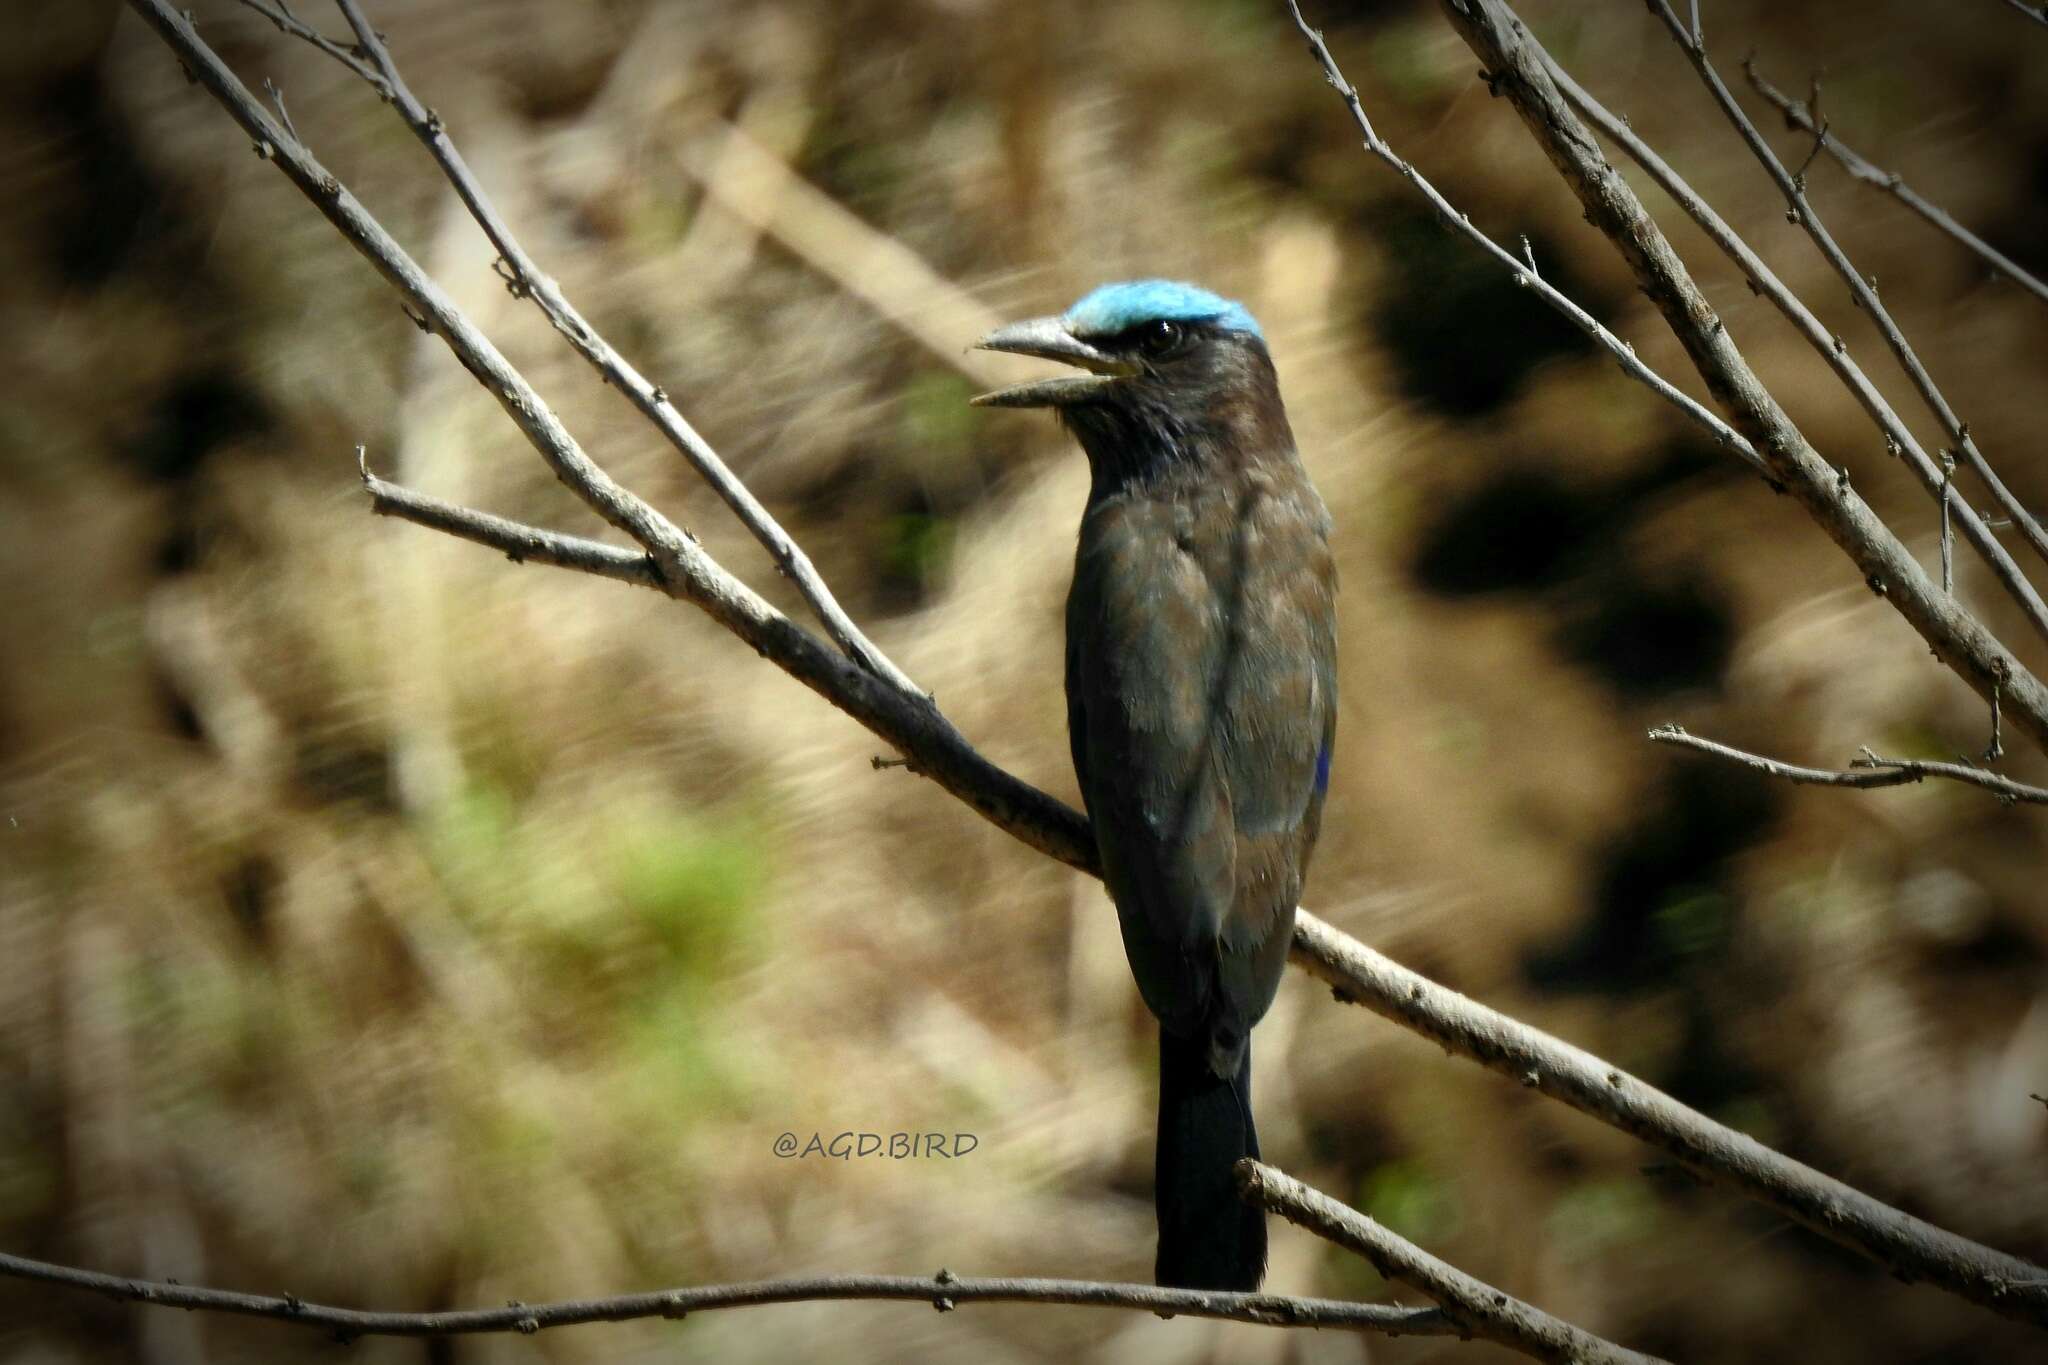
point(391, 925)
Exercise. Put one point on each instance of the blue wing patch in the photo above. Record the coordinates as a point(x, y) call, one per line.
point(1323, 771)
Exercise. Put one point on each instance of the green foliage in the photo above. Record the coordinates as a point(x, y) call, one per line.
point(1598, 1216)
point(917, 546)
point(1413, 1201)
point(632, 915)
point(936, 413)
point(1694, 923)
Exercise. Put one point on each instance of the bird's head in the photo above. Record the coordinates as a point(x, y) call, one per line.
point(1171, 370)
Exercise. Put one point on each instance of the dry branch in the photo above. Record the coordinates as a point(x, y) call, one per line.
point(1866, 771)
point(1523, 270)
point(1907, 1246)
point(1472, 1304)
point(944, 1291)
point(909, 721)
point(1861, 290)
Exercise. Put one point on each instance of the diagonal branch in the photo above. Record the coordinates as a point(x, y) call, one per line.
point(1866, 771)
point(915, 727)
point(1525, 272)
point(1518, 69)
point(1861, 290)
point(1763, 280)
point(1797, 115)
point(1474, 1305)
point(944, 1291)
point(1910, 1248)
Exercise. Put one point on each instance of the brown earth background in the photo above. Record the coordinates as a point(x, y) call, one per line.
point(392, 925)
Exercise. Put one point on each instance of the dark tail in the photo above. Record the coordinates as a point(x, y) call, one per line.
point(1209, 1238)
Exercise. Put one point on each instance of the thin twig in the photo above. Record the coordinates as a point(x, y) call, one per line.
point(1865, 771)
point(284, 114)
point(916, 730)
point(1524, 274)
point(1799, 116)
point(1802, 212)
point(515, 540)
point(1995, 750)
point(943, 1291)
point(1899, 439)
point(1948, 476)
point(1477, 1307)
point(291, 24)
point(1519, 70)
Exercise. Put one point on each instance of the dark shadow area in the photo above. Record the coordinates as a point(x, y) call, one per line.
point(2020, 233)
point(99, 217)
point(1663, 905)
point(1463, 335)
point(1648, 638)
point(1524, 531)
point(202, 412)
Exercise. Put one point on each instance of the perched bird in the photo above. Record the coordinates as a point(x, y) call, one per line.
point(1201, 703)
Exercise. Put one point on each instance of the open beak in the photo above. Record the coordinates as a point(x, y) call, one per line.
point(1050, 339)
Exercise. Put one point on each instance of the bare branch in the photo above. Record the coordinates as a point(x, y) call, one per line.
point(291, 24)
point(1860, 289)
point(516, 540)
point(1797, 116)
point(1948, 567)
point(1519, 69)
point(1910, 1248)
point(944, 1291)
point(1477, 1307)
point(1524, 274)
point(1898, 437)
point(1867, 770)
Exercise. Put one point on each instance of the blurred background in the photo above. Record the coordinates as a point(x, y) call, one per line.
point(396, 926)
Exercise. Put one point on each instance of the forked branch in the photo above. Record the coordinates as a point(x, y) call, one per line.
point(1519, 69)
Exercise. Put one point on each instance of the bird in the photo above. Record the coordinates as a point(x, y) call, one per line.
point(1201, 682)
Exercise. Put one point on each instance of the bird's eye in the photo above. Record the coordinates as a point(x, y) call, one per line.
point(1161, 337)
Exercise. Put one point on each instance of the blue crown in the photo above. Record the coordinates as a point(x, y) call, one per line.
point(1114, 308)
